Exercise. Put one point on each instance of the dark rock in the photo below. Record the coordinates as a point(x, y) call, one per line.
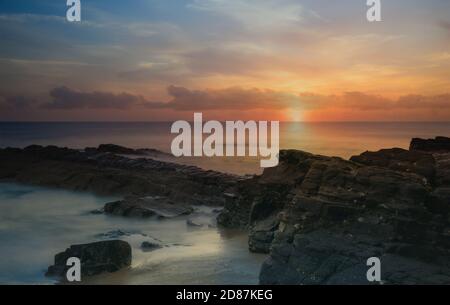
point(400, 160)
point(95, 258)
point(147, 246)
point(321, 218)
point(144, 207)
point(117, 234)
point(440, 200)
point(338, 212)
point(235, 214)
point(439, 144)
point(121, 150)
point(116, 149)
point(322, 257)
point(107, 173)
point(442, 169)
point(261, 235)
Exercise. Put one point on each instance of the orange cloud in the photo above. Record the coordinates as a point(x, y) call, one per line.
point(234, 98)
point(236, 102)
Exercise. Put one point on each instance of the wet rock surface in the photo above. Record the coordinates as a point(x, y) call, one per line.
point(105, 171)
point(147, 246)
point(95, 258)
point(320, 218)
point(144, 207)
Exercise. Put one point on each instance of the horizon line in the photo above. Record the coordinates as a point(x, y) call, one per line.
point(172, 121)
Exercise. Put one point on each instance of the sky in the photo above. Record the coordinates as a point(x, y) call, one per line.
point(163, 60)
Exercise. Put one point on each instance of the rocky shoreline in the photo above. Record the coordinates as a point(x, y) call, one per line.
point(318, 218)
point(107, 171)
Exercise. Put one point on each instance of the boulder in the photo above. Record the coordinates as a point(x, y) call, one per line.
point(95, 258)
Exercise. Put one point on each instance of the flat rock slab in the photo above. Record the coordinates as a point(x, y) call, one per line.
point(95, 258)
point(144, 207)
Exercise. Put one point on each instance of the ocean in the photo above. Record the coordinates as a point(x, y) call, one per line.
point(342, 139)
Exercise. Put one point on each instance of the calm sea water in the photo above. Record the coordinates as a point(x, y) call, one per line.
point(36, 223)
point(333, 139)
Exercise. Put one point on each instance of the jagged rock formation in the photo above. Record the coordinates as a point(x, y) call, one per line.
point(107, 173)
point(95, 258)
point(320, 218)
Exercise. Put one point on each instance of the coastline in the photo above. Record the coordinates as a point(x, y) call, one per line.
point(318, 218)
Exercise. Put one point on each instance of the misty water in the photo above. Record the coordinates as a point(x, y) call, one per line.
point(36, 223)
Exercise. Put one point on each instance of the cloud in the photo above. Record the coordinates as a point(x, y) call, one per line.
point(355, 100)
point(157, 72)
point(254, 13)
point(229, 99)
point(441, 101)
point(30, 18)
point(445, 25)
point(66, 98)
point(225, 61)
point(234, 98)
point(371, 102)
